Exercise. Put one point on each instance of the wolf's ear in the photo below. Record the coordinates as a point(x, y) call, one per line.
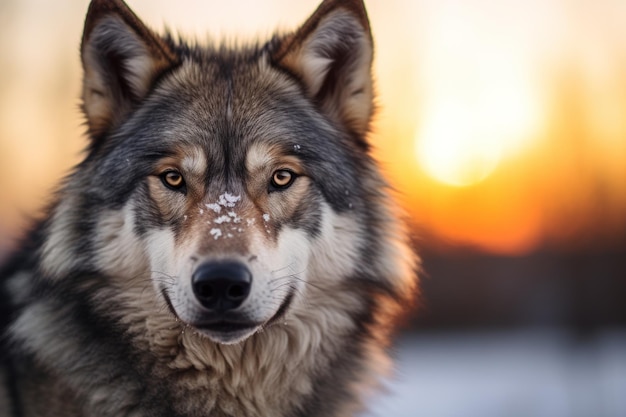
point(332, 54)
point(121, 59)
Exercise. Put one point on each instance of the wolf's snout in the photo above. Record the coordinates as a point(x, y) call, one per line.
point(221, 285)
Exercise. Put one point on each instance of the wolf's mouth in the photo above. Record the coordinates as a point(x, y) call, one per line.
point(226, 326)
point(231, 325)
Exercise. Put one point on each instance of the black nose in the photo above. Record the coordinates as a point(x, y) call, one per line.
point(221, 285)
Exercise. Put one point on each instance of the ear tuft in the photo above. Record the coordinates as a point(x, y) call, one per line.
point(121, 59)
point(332, 54)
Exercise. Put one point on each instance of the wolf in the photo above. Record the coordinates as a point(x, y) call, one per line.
point(228, 246)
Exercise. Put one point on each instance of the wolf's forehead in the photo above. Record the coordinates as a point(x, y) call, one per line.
point(218, 81)
point(242, 115)
point(225, 107)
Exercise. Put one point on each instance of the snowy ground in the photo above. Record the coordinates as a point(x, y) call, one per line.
point(525, 374)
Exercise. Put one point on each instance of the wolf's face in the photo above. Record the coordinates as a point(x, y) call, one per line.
point(237, 181)
point(233, 195)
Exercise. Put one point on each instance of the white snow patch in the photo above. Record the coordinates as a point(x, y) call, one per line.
point(216, 233)
point(214, 206)
point(222, 219)
point(236, 218)
point(266, 217)
point(228, 200)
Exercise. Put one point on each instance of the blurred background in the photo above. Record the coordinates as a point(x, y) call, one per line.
point(503, 128)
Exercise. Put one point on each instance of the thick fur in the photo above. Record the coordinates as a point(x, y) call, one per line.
point(100, 317)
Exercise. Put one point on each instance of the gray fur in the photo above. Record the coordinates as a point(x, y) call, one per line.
point(101, 317)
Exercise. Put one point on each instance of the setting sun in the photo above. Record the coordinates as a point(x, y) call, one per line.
point(480, 104)
point(463, 139)
point(451, 152)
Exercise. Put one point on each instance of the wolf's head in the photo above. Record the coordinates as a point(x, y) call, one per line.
point(231, 186)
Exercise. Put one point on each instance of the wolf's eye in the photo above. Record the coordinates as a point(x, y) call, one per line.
point(282, 179)
point(173, 180)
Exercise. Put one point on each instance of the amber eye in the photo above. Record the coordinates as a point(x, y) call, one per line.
point(282, 179)
point(173, 180)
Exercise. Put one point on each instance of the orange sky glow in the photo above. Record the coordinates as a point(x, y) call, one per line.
point(502, 124)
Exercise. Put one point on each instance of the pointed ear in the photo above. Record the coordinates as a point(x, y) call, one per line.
point(332, 54)
point(121, 60)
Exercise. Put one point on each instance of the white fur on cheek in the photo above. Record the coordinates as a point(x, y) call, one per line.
point(335, 253)
point(119, 250)
point(278, 270)
point(170, 269)
point(161, 252)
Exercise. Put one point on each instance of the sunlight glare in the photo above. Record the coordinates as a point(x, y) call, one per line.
point(450, 151)
point(480, 105)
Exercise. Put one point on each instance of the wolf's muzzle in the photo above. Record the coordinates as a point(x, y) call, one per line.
point(221, 286)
